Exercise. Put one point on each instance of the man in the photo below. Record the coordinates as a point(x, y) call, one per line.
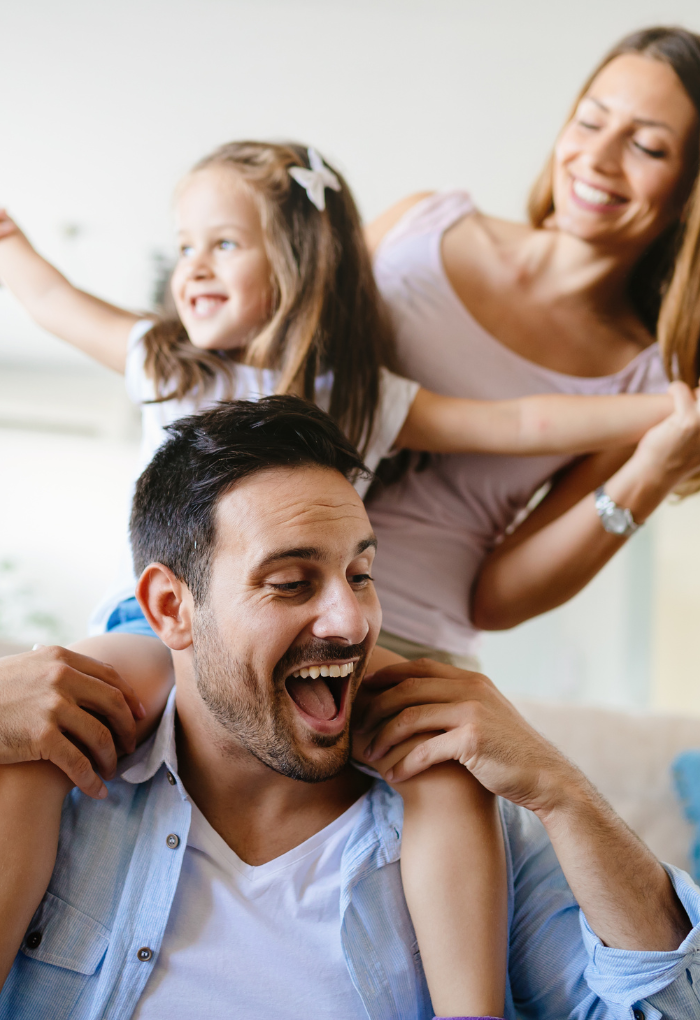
point(255, 557)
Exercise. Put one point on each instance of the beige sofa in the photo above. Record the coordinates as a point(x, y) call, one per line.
point(628, 757)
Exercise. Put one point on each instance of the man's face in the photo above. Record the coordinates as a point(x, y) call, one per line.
point(290, 597)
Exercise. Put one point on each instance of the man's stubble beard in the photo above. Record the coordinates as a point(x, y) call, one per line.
point(237, 699)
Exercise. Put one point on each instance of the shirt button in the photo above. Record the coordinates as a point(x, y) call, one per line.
point(171, 778)
point(33, 940)
point(145, 954)
point(173, 841)
point(638, 1014)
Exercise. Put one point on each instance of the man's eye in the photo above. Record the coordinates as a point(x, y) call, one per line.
point(360, 578)
point(290, 587)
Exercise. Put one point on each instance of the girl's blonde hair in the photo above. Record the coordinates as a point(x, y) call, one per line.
point(326, 314)
point(665, 286)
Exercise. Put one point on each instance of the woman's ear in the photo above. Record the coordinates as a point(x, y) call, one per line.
point(167, 605)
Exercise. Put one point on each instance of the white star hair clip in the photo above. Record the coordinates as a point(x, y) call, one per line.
point(316, 180)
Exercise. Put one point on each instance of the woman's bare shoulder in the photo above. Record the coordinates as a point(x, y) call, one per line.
point(379, 228)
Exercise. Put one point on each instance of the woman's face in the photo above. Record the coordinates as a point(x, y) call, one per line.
point(621, 172)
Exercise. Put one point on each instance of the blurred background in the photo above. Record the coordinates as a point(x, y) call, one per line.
point(104, 106)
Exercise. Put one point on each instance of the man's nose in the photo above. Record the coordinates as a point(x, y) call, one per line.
point(341, 617)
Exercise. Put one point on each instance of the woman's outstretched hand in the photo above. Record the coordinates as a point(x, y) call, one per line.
point(64, 707)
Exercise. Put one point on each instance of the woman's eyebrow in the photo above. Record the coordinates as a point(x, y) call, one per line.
point(642, 121)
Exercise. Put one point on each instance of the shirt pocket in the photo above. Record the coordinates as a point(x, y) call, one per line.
point(63, 936)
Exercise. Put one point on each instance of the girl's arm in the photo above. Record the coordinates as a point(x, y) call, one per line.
point(562, 545)
point(547, 424)
point(454, 877)
point(97, 328)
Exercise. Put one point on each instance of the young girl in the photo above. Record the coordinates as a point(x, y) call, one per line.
point(274, 293)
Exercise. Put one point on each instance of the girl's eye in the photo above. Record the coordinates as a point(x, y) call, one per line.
point(186, 250)
point(587, 124)
point(227, 245)
point(654, 153)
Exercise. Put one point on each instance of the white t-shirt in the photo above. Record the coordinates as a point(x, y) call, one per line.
point(250, 943)
point(248, 383)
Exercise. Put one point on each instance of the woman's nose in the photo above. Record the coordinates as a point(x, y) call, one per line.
point(604, 151)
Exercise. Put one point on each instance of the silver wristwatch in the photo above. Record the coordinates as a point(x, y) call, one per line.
point(618, 520)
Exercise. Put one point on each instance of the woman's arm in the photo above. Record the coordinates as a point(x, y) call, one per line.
point(530, 426)
point(562, 545)
point(97, 328)
point(454, 878)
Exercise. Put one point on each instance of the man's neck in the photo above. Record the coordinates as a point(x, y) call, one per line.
point(258, 812)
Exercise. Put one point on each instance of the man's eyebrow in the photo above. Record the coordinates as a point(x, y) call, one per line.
point(311, 552)
point(306, 552)
point(643, 121)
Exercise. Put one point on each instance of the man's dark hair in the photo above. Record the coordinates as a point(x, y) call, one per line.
point(173, 512)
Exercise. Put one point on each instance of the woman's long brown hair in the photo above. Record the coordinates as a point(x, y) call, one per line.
point(326, 314)
point(665, 284)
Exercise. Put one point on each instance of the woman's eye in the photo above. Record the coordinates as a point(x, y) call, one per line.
point(587, 124)
point(654, 153)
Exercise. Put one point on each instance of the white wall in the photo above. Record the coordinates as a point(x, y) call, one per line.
point(105, 105)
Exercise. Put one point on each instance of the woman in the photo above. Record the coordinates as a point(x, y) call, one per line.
point(571, 303)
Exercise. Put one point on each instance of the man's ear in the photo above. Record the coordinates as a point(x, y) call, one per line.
point(167, 605)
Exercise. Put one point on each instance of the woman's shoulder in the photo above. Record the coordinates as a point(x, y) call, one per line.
point(376, 231)
point(425, 212)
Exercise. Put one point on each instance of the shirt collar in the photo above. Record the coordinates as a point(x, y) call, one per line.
point(158, 750)
point(383, 819)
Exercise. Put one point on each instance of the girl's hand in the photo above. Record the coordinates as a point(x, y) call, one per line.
point(53, 698)
point(7, 225)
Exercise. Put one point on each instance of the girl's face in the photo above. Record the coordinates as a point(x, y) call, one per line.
point(621, 171)
point(222, 280)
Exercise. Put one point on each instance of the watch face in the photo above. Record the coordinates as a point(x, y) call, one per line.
point(616, 521)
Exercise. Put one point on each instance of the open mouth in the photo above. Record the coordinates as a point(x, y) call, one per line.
point(597, 198)
point(320, 690)
point(204, 306)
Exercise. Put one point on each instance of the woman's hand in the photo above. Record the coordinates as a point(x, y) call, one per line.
point(670, 451)
point(52, 705)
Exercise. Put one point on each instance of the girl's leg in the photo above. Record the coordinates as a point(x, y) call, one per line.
point(31, 798)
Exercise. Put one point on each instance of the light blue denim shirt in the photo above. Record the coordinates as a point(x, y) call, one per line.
point(90, 947)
